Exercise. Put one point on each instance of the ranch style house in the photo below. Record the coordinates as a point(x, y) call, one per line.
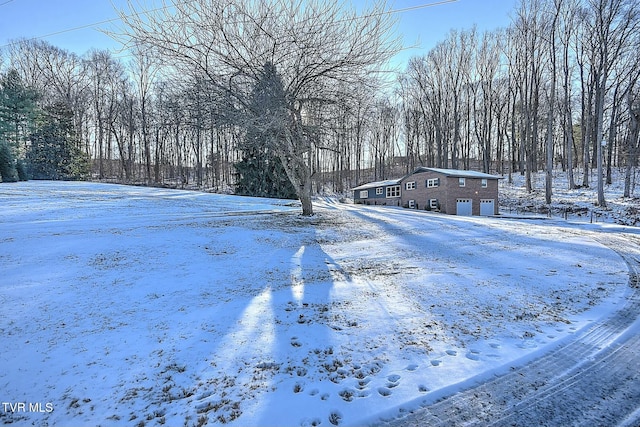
point(450, 191)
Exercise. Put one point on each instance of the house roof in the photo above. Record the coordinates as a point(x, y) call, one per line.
point(458, 173)
point(447, 172)
point(378, 184)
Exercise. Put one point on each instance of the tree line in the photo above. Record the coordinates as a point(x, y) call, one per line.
point(288, 99)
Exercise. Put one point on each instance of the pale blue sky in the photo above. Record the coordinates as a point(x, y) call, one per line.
point(425, 26)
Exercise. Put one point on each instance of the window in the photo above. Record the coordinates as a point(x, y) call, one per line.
point(484, 183)
point(364, 194)
point(431, 183)
point(461, 182)
point(410, 185)
point(379, 191)
point(433, 204)
point(412, 204)
point(393, 191)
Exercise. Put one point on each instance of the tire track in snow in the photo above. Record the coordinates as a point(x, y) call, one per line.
point(590, 380)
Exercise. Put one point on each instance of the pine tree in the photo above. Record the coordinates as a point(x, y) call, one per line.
point(260, 172)
point(21, 170)
point(7, 164)
point(18, 110)
point(54, 153)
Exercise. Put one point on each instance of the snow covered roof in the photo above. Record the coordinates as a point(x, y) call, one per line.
point(458, 173)
point(447, 172)
point(378, 184)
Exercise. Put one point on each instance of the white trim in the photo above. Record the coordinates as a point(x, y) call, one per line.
point(410, 185)
point(393, 191)
point(364, 194)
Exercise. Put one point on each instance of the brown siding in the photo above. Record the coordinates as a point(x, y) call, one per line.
point(448, 192)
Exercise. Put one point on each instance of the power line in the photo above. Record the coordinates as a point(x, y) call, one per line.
point(82, 27)
point(107, 21)
point(422, 6)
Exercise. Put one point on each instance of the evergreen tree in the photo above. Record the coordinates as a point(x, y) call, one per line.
point(260, 172)
point(54, 153)
point(21, 170)
point(18, 110)
point(7, 164)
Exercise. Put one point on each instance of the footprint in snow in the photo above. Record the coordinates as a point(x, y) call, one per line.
point(384, 391)
point(311, 422)
point(394, 378)
point(363, 383)
point(412, 367)
point(494, 345)
point(452, 352)
point(347, 395)
point(335, 417)
point(473, 355)
point(436, 362)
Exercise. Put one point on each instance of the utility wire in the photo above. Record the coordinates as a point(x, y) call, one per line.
point(82, 27)
point(107, 21)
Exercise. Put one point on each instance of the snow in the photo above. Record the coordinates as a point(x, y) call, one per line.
point(142, 306)
point(578, 205)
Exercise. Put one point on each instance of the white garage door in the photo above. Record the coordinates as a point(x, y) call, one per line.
point(487, 207)
point(464, 207)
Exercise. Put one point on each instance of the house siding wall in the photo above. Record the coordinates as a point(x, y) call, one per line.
point(377, 199)
point(448, 192)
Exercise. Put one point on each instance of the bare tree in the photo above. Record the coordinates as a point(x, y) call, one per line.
point(485, 96)
point(552, 27)
point(633, 104)
point(143, 69)
point(567, 22)
point(312, 45)
point(612, 23)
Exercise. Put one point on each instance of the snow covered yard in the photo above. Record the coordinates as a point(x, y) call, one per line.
point(141, 306)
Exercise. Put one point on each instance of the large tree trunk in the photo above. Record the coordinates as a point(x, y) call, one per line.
point(300, 176)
